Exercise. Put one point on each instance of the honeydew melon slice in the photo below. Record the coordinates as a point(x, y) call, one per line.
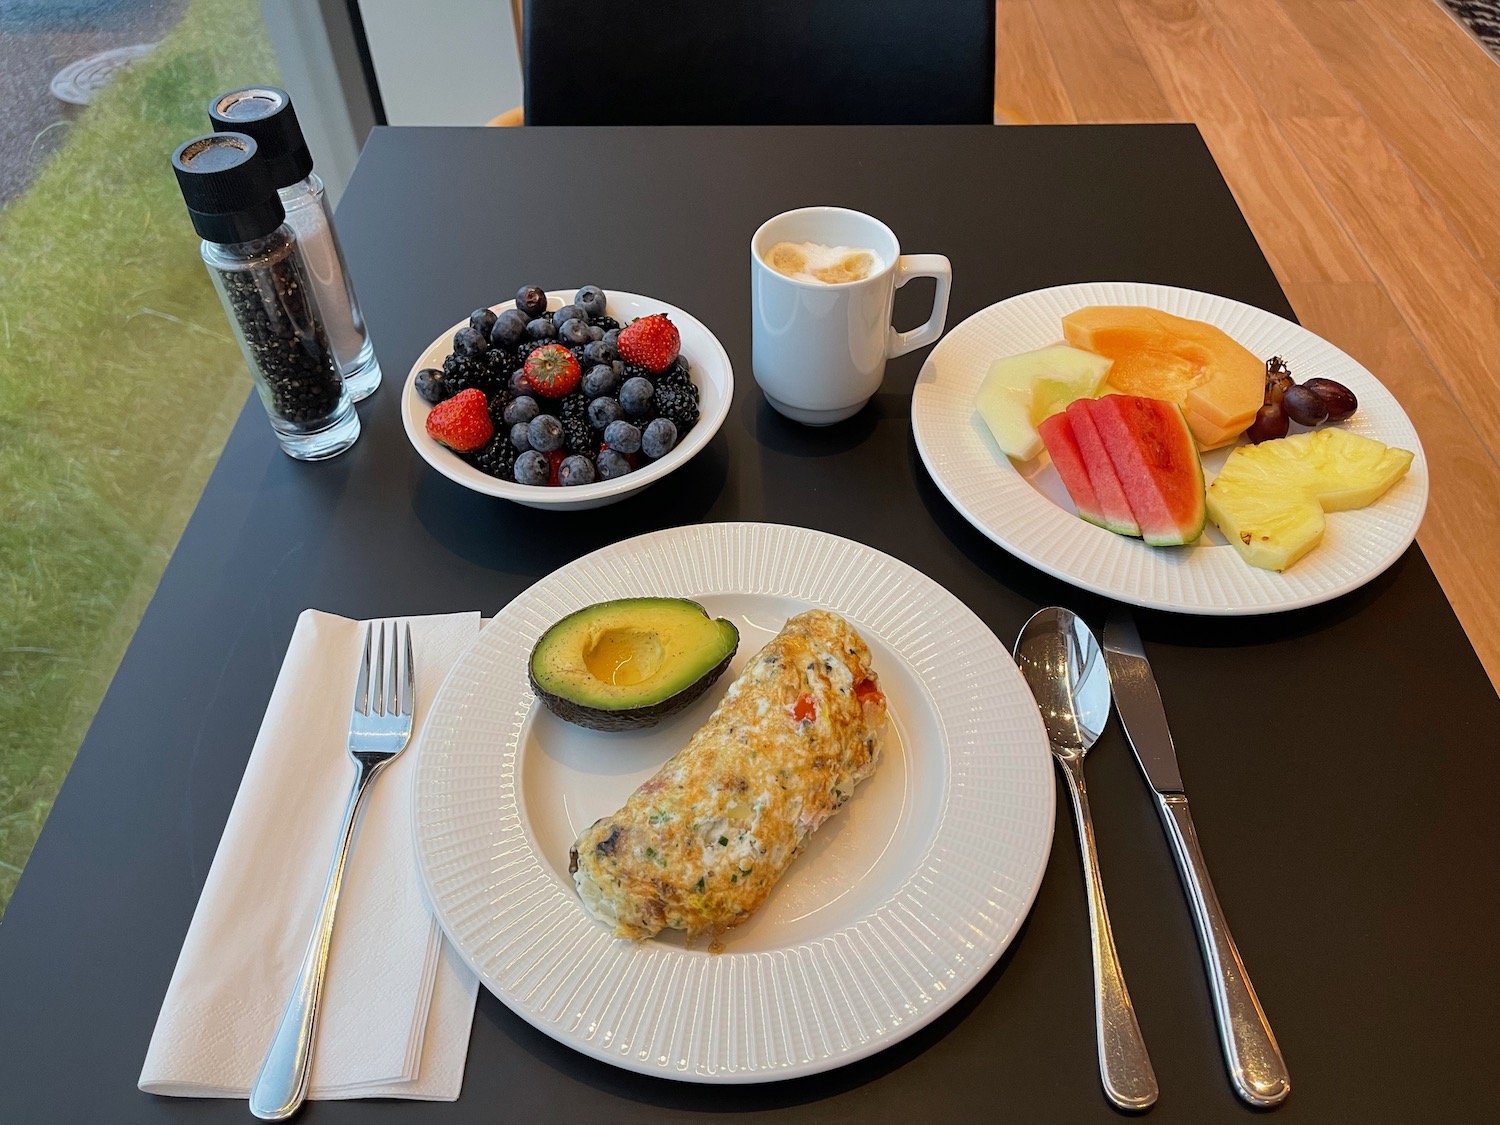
point(1009, 400)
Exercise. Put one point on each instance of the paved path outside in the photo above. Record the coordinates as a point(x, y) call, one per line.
point(37, 39)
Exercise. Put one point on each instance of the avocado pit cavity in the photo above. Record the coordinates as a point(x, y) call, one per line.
point(625, 657)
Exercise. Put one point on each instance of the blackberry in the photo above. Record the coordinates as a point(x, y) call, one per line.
point(635, 370)
point(501, 361)
point(677, 373)
point(676, 403)
point(578, 436)
point(462, 373)
point(496, 458)
point(608, 323)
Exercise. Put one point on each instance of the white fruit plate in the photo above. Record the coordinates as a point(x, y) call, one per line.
point(1026, 509)
point(711, 370)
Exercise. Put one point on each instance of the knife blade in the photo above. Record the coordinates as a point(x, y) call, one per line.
point(1250, 1051)
point(1139, 703)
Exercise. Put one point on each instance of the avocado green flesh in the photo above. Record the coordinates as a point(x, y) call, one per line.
point(630, 663)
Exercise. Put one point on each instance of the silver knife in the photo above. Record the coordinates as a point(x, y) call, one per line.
point(1255, 1063)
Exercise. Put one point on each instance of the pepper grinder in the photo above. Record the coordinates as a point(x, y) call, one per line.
point(253, 258)
point(266, 113)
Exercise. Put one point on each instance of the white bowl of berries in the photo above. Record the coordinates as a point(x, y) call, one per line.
point(567, 399)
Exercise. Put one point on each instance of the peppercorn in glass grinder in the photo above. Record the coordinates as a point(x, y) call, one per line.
point(252, 256)
point(266, 113)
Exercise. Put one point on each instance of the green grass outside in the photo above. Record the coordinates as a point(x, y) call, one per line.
point(119, 381)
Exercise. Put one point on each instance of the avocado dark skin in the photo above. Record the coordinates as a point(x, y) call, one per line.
point(630, 663)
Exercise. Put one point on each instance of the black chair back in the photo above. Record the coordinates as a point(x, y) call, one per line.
point(759, 62)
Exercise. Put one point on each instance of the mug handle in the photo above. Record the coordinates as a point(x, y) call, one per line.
point(938, 268)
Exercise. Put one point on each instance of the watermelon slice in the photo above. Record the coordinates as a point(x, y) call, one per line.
point(1057, 435)
point(1114, 507)
point(1156, 462)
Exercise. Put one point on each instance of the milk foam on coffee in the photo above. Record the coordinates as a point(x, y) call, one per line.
point(830, 265)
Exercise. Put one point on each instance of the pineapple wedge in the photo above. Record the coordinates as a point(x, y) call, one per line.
point(1269, 499)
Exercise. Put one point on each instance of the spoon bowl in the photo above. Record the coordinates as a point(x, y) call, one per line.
point(1064, 665)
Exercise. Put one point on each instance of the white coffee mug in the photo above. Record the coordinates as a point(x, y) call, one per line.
point(819, 350)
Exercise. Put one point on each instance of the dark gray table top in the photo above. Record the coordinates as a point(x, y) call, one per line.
point(1340, 759)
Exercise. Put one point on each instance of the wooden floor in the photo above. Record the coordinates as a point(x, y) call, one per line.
point(1362, 141)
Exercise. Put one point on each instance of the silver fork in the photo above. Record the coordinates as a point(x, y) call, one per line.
point(379, 727)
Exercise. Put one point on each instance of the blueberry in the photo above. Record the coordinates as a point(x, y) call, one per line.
point(635, 397)
point(432, 385)
point(612, 337)
point(601, 352)
point(522, 409)
point(591, 300)
point(612, 464)
point(531, 300)
point(659, 438)
point(600, 380)
point(470, 342)
point(509, 329)
point(518, 437)
point(482, 321)
point(622, 436)
point(545, 433)
point(541, 328)
point(619, 366)
point(603, 411)
point(595, 332)
point(575, 470)
point(519, 384)
point(532, 468)
point(567, 313)
point(574, 331)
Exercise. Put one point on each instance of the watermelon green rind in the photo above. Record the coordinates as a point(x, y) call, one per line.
point(1114, 505)
point(1057, 435)
point(1156, 460)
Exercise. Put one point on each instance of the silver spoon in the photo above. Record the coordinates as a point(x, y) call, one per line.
point(1064, 666)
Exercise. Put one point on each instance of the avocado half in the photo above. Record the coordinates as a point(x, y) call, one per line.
point(630, 663)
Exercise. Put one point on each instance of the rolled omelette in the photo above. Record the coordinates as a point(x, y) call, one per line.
point(699, 846)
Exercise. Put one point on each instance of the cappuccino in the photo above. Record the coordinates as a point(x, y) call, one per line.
point(827, 265)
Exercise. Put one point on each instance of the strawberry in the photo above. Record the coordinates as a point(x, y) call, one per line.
point(553, 372)
point(652, 342)
point(462, 422)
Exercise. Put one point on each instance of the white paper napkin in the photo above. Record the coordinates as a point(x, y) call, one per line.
point(398, 1003)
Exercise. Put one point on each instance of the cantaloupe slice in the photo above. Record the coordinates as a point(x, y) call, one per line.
point(1207, 435)
point(1218, 383)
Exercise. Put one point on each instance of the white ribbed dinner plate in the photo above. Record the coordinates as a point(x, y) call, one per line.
point(1026, 509)
point(901, 902)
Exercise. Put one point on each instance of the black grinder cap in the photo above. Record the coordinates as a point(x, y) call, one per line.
point(266, 113)
point(226, 187)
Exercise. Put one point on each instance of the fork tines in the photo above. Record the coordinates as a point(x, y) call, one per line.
point(391, 688)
